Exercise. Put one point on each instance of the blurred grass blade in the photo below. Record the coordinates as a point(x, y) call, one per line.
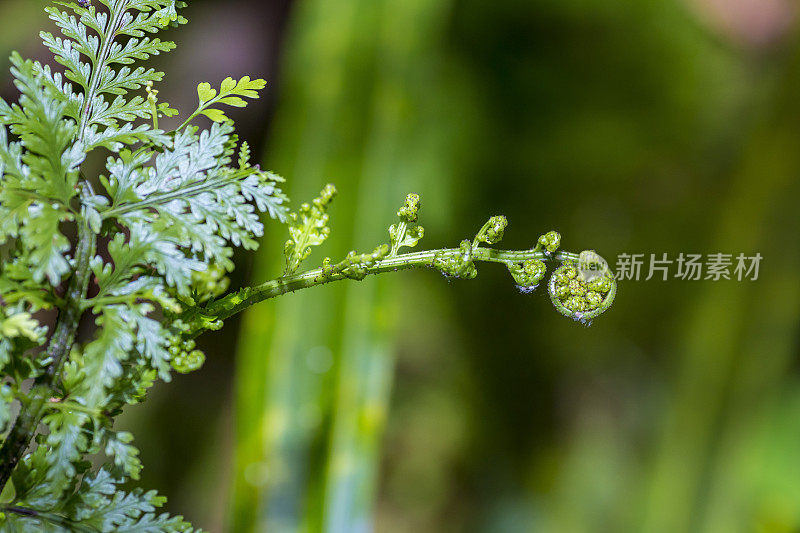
point(314, 370)
point(282, 378)
point(406, 31)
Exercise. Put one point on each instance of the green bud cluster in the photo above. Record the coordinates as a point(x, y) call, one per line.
point(209, 283)
point(308, 227)
point(354, 265)
point(326, 196)
point(527, 274)
point(186, 357)
point(550, 241)
point(492, 231)
point(406, 233)
point(579, 298)
point(410, 209)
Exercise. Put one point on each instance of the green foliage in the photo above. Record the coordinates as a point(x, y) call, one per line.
point(171, 207)
point(406, 233)
point(308, 227)
point(155, 237)
point(230, 93)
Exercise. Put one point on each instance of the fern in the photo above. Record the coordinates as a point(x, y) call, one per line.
point(155, 236)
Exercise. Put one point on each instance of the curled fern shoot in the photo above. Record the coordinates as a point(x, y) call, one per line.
point(527, 267)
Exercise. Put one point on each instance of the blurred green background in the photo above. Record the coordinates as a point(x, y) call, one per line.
point(410, 403)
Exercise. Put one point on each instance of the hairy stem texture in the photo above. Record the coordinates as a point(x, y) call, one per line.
point(241, 300)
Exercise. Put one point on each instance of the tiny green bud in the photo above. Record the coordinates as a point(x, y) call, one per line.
point(600, 283)
point(209, 283)
point(575, 304)
point(327, 269)
point(561, 279)
point(529, 274)
point(550, 241)
point(562, 291)
point(188, 361)
point(492, 231)
point(576, 288)
point(326, 196)
point(457, 264)
point(496, 228)
point(593, 299)
point(410, 209)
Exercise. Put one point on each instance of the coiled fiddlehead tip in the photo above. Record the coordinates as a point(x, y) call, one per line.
point(583, 289)
point(550, 241)
point(410, 210)
point(492, 232)
point(527, 274)
point(185, 357)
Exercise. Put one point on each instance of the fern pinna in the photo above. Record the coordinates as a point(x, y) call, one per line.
point(143, 249)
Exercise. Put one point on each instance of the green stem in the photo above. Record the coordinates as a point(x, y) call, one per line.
point(192, 117)
point(52, 518)
point(30, 414)
point(239, 301)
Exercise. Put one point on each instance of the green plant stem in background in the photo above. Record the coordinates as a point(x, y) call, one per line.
point(393, 158)
point(285, 354)
point(365, 54)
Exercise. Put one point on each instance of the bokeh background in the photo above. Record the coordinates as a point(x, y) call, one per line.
point(410, 403)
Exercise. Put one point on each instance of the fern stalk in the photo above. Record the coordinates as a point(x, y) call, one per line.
point(30, 414)
point(241, 300)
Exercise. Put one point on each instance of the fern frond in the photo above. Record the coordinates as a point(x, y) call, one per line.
point(124, 80)
point(90, 59)
point(182, 206)
point(191, 190)
point(76, 31)
point(61, 90)
point(39, 181)
point(115, 138)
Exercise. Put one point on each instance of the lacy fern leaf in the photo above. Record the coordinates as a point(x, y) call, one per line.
point(169, 205)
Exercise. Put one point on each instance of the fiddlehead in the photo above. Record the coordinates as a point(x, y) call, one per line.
point(582, 288)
